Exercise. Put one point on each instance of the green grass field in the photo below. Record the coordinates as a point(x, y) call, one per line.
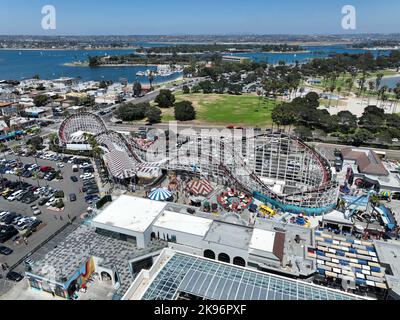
point(224, 109)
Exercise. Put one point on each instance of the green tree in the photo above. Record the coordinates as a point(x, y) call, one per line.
point(373, 119)
point(206, 86)
point(196, 88)
point(94, 61)
point(283, 115)
point(346, 121)
point(185, 89)
point(36, 141)
point(361, 136)
point(132, 112)
point(184, 111)
point(303, 132)
point(41, 100)
point(153, 115)
point(165, 99)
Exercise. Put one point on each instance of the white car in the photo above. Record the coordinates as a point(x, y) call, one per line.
point(84, 165)
point(3, 213)
point(60, 165)
point(51, 202)
point(72, 160)
point(82, 176)
point(36, 211)
point(395, 140)
point(39, 191)
point(88, 177)
point(33, 167)
point(14, 195)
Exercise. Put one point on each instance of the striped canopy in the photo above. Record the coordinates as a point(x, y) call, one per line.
point(200, 187)
point(386, 194)
point(160, 194)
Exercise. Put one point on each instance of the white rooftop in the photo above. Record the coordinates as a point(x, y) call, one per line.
point(183, 223)
point(262, 240)
point(130, 213)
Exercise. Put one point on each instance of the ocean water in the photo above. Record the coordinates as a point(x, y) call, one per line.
point(302, 57)
point(50, 64)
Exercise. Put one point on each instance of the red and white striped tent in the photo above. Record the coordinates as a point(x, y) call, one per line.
point(200, 187)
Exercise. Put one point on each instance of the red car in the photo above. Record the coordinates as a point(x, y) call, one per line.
point(46, 169)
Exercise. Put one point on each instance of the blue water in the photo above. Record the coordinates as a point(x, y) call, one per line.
point(390, 82)
point(312, 52)
point(18, 65)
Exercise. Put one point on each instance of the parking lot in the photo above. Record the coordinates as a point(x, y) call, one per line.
point(52, 221)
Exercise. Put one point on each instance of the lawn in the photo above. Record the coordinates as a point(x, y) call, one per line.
point(224, 109)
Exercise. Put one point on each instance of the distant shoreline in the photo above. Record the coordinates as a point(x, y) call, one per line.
point(86, 64)
point(287, 52)
point(67, 49)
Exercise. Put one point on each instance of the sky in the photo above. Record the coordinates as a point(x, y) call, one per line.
point(147, 17)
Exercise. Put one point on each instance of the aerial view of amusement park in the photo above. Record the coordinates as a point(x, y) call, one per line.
point(197, 162)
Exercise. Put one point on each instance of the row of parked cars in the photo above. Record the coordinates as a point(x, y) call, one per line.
point(12, 224)
point(92, 191)
point(61, 158)
point(29, 170)
point(18, 191)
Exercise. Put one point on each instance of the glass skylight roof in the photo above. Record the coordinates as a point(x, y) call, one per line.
point(216, 281)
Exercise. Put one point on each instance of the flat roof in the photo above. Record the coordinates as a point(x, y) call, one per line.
point(183, 223)
point(389, 253)
point(262, 240)
point(228, 234)
point(130, 213)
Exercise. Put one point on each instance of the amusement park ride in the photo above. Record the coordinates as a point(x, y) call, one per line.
point(279, 159)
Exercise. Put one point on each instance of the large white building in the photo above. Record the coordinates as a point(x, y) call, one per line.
point(270, 245)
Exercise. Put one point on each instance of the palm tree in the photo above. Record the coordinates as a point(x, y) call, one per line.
point(350, 84)
point(396, 91)
point(339, 90)
point(331, 90)
point(151, 80)
point(53, 138)
point(378, 80)
point(371, 87)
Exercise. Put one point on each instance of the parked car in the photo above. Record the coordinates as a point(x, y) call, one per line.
point(14, 276)
point(8, 219)
point(92, 191)
point(74, 179)
point(51, 202)
point(5, 251)
point(46, 168)
point(43, 201)
point(7, 232)
point(72, 197)
point(30, 199)
point(36, 211)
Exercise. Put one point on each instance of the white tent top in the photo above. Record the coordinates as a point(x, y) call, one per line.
point(183, 223)
point(262, 240)
point(130, 213)
point(337, 217)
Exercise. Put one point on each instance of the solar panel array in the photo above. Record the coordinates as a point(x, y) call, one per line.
point(348, 258)
point(216, 281)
